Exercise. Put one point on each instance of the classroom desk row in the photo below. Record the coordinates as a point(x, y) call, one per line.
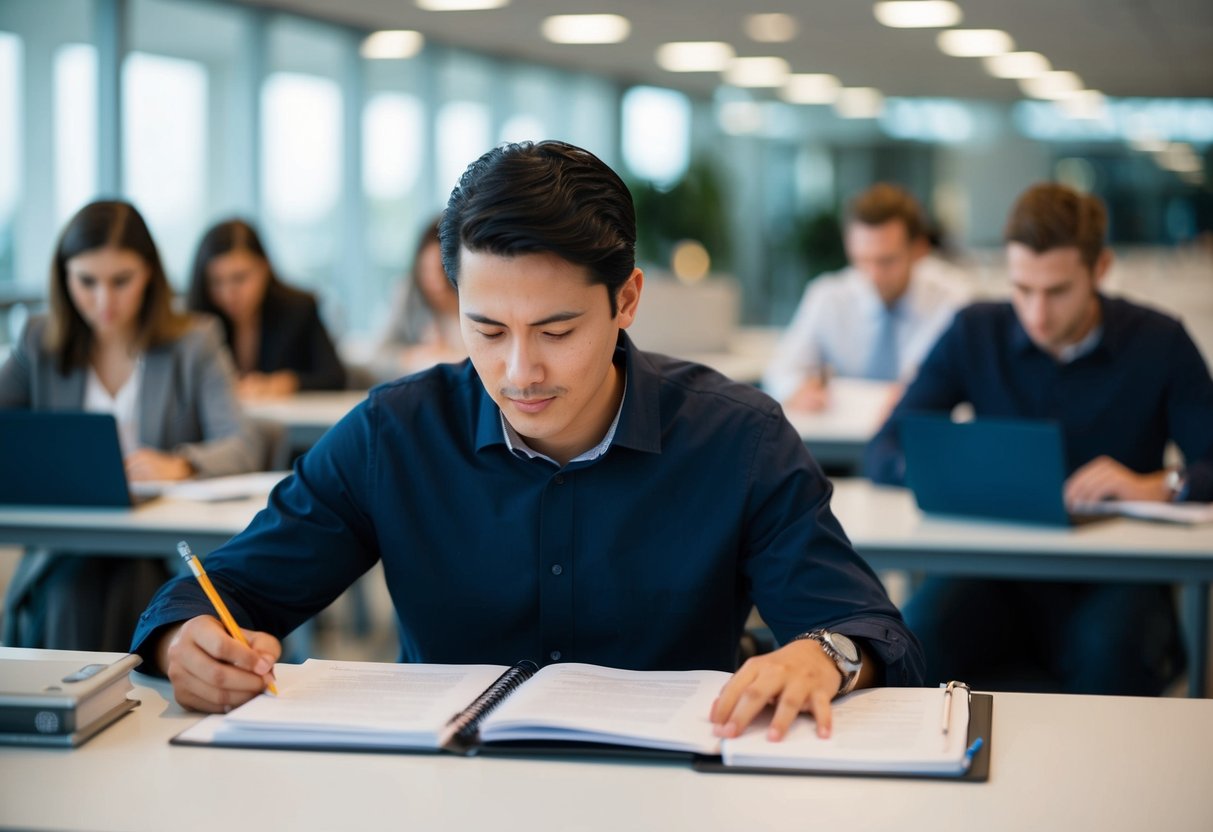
point(1057, 762)
point(836, 436)
point(884, 525)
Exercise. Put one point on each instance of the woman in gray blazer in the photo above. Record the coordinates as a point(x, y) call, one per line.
point(113, 343)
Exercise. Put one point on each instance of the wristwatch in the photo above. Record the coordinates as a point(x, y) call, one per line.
point(1176, 483)
point(843, 652)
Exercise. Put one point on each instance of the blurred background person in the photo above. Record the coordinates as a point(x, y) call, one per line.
point(274, 331)
point(424, 326)
point(113, 344)
point(875, 319)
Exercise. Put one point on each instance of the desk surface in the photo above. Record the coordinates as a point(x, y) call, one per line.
point(151, 528)
point(1059, 762)
point(882, 519)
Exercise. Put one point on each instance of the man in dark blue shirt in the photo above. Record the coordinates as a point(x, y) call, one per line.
point(561, 496)
point(1121, 380)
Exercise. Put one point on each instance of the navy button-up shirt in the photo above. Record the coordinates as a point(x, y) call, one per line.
point(647, 557)
point(1143, 383)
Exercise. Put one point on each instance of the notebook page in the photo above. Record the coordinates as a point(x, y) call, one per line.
point(652, 709)
point(882, 729)
point(333, 699)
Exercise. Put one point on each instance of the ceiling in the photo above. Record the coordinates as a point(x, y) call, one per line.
point(1124, 48)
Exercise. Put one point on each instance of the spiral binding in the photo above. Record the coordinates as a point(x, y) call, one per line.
point(467, 722)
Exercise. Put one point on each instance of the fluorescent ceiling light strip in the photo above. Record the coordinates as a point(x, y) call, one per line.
point(460, 5)
point(974, 43)
point(810, 88)
point(771, 28)
point(1017, 65)
point(757, 72)
point(586, 28)
point(392, 44)
point(918, 14)
point(694, 56)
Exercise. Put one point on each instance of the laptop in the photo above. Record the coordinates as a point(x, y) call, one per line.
point(991, 468)
point(62, 458)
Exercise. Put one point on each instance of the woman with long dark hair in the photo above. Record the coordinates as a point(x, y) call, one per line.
point(112, 343)
point(274, 331)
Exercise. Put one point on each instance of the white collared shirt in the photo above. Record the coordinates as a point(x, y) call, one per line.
point(837, 323)
point(123, 405)
point(518, 445)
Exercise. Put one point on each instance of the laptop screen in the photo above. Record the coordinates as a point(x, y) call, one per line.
point(1005, 469)
point(67, 458)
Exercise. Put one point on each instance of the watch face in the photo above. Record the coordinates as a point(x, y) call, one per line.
point(845, 647)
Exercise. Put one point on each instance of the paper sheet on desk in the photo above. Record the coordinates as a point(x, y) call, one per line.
point(216, 489)
point(1186, 513)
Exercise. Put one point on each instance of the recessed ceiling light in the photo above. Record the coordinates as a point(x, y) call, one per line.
point(586, 28)
point(694, 56)
point(771, 28)
point(918, 14)
point(859, 102)
point(1017, 65)
point(757, 72)
point(460, 5)
point(810, 88)
point(974, 43)
point(392, 44)
point(1052, 85)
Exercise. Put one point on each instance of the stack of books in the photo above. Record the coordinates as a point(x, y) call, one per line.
point(50, 697)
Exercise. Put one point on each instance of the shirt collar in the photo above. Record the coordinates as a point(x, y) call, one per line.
point(637, 424)
point(1105, 338)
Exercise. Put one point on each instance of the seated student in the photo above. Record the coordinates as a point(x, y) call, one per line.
point(876, 319)
point(561, 496)
point(1122, 380)
point(113, 344)
point(424, 325)
point(273, 330)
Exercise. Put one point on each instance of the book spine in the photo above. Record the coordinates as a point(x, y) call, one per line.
point(30, 719)
point(464, 725)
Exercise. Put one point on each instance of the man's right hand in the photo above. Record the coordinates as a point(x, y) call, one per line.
point(210, 670)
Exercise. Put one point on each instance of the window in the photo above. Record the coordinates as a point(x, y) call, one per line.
point(656, 134)
point(464, 136)
point(10, 147)
point(75, 110)
point(164, 125)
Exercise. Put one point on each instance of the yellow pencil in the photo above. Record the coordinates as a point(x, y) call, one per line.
point(195, 565)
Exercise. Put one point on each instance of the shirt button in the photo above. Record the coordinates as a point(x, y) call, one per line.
point(554, 655)
point(559, 479)
point(557, 569)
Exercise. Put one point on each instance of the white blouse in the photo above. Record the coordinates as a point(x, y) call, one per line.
point(123, 405)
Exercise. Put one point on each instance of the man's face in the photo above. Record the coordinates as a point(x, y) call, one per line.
point(1054, 294)
point(542, 338)
point(885, 254)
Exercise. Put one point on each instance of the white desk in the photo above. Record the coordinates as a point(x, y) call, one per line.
point(1058, 762)
point(152, 528)
point(306, 415)
point(839, 434)
point(886, 527)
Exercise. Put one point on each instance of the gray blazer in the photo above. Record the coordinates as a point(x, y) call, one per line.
point(187, 405)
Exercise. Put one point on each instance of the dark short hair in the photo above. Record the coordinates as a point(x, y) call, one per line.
point(1048, 216)
point(550, 197)
point(885, 202)
point(222, 238)
point(100, 225)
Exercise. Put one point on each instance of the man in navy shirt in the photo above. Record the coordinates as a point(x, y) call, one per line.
point(1121, 380)
point(561, 496)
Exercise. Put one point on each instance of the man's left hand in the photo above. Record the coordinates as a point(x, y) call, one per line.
point(797, 677)
point(1103, 478)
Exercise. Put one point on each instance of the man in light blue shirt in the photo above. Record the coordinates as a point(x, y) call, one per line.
point(876, 319)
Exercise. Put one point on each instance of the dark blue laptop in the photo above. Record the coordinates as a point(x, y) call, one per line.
point(61, 459)
point(992, 468)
